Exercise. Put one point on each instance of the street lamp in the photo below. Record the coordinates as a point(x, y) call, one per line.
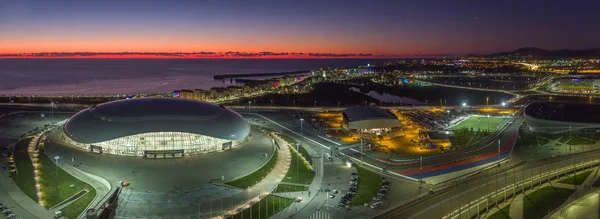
point(249, 102)
point(464, 104)
point(448, 118)
point(298, 149)
point(56, 158)
point(488, 122)
point(503, 104)
point(52, 112)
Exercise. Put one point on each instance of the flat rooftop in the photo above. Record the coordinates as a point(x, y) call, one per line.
point(568, 112)
point(437, 135)
point(358, 113)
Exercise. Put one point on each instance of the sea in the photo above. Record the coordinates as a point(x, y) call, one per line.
point(63, 76)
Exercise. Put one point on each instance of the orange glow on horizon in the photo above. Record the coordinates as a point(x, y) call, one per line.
point(188, 57)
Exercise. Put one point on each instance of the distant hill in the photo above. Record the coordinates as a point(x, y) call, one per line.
point(537, 53)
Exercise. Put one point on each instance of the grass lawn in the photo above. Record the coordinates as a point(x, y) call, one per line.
point(268, 206)
point(369, 184)
point(47, 170)
point(564, 139)
point(578, 179)
point(481, 123)
point(25, 179)
point(305, 174)
point(465, 137)
point(301, 149)
point(503, 213)
point(256, 176)
point(539, 203)
point(528, 139)
point(580, 141)
point(75, 208)
point(290, 188)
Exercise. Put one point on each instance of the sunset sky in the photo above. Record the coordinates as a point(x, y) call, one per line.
point(384, 27)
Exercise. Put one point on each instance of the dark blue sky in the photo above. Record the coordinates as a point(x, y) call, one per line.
point(403, 27)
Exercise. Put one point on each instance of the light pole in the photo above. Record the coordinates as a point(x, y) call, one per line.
point(361, 147)
point(56, 158)
point(448, 118)
point(298, 150)
point(503, 104)
point(498, 158)
point(487, 100)
point(249, 102)
point(488, 122)
point(52, 112)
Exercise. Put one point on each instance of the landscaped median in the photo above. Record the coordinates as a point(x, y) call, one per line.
point(265, 208)
point(369, 184)
point(301, 149)
point(537, 204)
point(503, 213)
point(578, 179)
point(69, 188)
point(73, 194)
point(256, 176)
point(23, 174)
point(300, 171)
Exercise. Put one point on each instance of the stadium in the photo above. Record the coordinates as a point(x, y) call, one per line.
point(155, 128)
point(547, 117)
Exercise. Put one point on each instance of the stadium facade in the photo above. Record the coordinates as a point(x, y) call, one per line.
point(556, 118)
point(155, 128)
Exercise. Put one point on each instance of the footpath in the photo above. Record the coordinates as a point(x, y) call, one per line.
point(245, 199)
point(578, 198)
point(15, 199)
point(310, 202)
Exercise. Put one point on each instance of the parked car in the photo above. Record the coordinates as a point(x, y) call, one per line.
point(376, 204)
point(331, 196)
point(376, 198)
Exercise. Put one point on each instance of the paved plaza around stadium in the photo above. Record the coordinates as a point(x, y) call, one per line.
point(167, 174)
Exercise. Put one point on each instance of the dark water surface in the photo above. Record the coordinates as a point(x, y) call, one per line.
point(128, 76)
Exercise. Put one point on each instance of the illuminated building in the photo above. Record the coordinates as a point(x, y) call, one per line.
point(368, 119)
point(155, 128)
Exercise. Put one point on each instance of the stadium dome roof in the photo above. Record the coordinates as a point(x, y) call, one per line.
point(122, 118)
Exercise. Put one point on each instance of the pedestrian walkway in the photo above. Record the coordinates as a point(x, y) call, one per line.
point(583, 204)
point(101, 186)
point(516, 205)
point(493, 210)
point(252, 195)
point(311, 197)
point(15, 199)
